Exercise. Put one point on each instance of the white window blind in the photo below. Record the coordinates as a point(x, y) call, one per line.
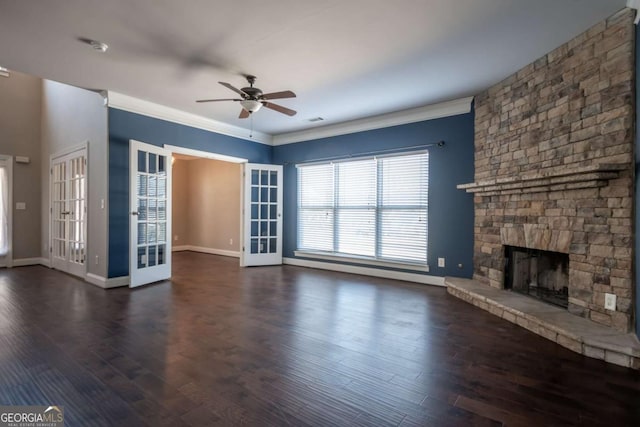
point(374, 208)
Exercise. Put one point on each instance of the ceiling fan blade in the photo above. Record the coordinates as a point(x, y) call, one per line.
point(243, 114)
point(279, 108)
point(216, 100)
point(235, 89)
point(279, 95)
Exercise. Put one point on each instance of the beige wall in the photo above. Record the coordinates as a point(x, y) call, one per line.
point(206, 204)
point(72, 116)
point(180, 201)
point(20, 106)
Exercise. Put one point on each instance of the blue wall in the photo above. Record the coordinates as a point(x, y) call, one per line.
point(637, 187)
point(124, 126)
point(450, 210)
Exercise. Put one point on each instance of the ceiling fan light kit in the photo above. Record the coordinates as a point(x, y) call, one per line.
point(252, 99)
point(250, 105)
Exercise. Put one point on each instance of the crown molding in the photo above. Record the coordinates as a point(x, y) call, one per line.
point(151, 109)
point(635, 4)
point(162, 112)
point(429, 112)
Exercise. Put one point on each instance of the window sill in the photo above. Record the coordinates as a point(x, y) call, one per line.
point(362, 260)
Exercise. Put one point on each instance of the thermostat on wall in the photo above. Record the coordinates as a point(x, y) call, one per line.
point(22, 159)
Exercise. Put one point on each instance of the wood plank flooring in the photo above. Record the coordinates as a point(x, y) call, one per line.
point(287, 346)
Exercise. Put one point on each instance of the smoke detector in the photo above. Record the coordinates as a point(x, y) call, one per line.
point(99, 46)
point(95, 44)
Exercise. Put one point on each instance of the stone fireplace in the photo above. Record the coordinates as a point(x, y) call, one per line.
point(554, 169)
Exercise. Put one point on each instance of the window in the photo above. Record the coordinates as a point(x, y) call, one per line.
point(374, 208)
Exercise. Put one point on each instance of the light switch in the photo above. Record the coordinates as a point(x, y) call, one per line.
point(20, 206)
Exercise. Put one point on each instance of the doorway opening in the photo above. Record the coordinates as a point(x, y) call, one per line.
point(205, 209)
point(206, 205)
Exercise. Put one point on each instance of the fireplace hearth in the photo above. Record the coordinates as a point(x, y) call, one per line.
point(539, 274)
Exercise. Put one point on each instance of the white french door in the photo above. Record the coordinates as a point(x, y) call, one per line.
point(262, 215)
point(150, 207)
point(69, 212)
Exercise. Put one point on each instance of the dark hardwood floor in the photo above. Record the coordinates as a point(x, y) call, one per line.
point(220, 345)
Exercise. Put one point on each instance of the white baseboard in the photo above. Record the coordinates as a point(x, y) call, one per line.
point(22, 262)
point(105, 283)
point(94, 279)
point(116, 282)
point(367, 271)
point(213, 251)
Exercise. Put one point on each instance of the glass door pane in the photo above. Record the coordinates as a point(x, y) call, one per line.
point(263, 207)
point(151, 179)
point(151, 220)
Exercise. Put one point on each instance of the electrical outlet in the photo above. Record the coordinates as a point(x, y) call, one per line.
point(610, 302)
point(175, 237)
point(231, 241)
point(441, 262)
point(97, 260)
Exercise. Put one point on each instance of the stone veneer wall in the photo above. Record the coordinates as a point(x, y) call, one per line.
point(573, 108)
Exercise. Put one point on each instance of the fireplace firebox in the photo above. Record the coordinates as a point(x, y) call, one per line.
point(540, 274)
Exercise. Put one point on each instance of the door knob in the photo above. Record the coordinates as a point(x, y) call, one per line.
point(134, 213)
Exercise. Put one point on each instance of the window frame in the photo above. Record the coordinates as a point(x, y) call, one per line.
point(379, 208)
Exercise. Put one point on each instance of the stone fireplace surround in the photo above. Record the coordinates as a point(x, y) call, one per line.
point(554, 171)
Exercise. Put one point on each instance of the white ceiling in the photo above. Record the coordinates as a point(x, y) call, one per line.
point(345, 59)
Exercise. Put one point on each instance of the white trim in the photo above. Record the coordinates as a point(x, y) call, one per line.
point(241, 210)
point(204, 154)
point(23, 262)
point(105, 283)
point(8, 257)
point(69, 150)
point(361, 260)
point(429, 112)
point(635, 4)
point(115, 282)
point(162, 112)
point(368, 271)
point(212, 251)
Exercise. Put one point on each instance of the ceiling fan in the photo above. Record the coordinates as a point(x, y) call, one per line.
point(252, 99)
